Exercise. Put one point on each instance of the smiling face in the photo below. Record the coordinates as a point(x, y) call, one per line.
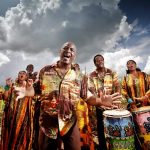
point(22, 76)
point(67, 53)
point(99, 62)
point(131, 65)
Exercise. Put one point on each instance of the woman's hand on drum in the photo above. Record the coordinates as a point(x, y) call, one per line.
point(133, 106)
point(142, 99)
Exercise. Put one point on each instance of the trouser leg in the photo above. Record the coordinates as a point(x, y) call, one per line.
point(100, 129)
point(137, 144)
point(46, 143)
point(72, 138)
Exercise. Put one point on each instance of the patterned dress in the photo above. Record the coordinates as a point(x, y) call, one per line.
point(137, 87)
point(17, 125)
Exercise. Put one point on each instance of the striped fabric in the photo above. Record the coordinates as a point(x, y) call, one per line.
point(17, 125)
point(136, 88)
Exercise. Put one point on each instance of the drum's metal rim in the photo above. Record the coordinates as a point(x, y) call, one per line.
point(120, 116)
point(138, 111)
point(116, 116)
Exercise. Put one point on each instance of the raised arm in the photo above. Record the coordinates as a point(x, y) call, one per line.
point(7, 87)
point(21, 92)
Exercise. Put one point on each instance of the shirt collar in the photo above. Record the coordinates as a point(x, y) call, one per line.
point(55, 65)
point(97, 71)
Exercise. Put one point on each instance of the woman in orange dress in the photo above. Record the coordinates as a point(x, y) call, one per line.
point(17, 125)
point(136, 86)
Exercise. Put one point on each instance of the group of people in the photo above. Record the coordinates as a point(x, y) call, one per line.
point(57, 103)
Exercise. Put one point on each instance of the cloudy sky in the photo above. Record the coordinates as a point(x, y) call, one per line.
point(33, 31)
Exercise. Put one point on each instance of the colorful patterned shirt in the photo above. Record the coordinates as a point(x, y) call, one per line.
point(136, 88)
point(59, 97)
point(109, 81)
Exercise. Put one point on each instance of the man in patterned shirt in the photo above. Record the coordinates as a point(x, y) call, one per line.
point(100, 79)
point(60, 87)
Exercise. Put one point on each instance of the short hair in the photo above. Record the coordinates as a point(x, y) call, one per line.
point(70, 43)
point(94, 59)
point(30, 65)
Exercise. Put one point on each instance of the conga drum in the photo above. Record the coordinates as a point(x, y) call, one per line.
point(118, 129)
point(142, 125)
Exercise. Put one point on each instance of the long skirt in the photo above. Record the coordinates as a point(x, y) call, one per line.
point(17, 125)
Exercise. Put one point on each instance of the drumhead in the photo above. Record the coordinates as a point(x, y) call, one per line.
point(141, 110)
point(116, 113)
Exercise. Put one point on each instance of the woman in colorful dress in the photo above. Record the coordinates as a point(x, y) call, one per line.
point(17, 125)
point(136, 86)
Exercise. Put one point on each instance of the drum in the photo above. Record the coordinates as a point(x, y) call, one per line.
point(142, 125)
point(118, 129)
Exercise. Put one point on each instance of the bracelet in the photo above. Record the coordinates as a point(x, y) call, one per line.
point(7, 87)
point(130, 100)
point(147, 96)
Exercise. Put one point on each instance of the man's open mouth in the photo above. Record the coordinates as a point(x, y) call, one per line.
point(66, 56)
